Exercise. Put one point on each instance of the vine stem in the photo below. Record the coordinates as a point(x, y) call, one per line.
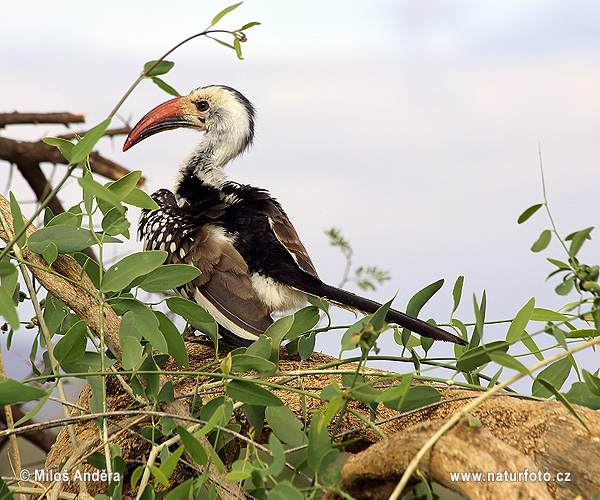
point(13, 450)
point(412, 466)
point(145, 73)
point(554, 230)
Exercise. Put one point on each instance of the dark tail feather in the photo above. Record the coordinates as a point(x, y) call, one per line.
point(350, 300)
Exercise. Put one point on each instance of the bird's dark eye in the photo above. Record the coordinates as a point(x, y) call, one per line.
point(202, 106)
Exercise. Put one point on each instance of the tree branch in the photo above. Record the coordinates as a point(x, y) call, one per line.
point(43, 439)
point(16, 118)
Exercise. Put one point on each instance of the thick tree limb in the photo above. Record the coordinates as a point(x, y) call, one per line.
point(33, 153)
point(373, 474)
point(16, 118)
point(79, 295)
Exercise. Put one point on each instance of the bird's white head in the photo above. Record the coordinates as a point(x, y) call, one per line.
point(223, 113)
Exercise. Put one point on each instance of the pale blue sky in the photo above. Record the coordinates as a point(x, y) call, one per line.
point(412, 126)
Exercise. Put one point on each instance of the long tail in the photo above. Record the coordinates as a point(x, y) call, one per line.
point(353, 301)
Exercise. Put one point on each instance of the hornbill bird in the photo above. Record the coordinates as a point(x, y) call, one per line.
point(250, 256)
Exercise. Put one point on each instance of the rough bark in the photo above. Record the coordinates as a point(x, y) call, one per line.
point(516, 434)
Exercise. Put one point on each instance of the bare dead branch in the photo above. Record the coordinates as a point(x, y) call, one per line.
point(28, 153)
point(16, 118)
point(109, 133)
point(43, 439)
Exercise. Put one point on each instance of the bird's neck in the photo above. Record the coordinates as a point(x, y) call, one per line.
point(207, 162)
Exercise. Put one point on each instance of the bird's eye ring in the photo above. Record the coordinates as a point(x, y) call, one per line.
point(202, 106)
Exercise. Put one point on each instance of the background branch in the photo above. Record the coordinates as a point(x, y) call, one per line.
point(16, 118)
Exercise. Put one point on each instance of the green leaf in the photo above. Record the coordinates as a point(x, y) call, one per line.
point(561, 265)
point(318, 303)
point(354, 329)
point(91, 187)
point(195, 315)
point(248, 392)
point(165, 86)
point(553, 390)
point(540, 314)
point(377, 320)
point(85, 146)
point(218, 417)
point(158, 475)
point(255, 416)
point(193, 446)
point(479, 356)
point(554, 374)
point(276, 448)
point(224, 12)
point(519, 323)
point(7, 306)
point(306, 346)
point(237, 45)
point(166, 393)
point(419, 299)
point(115, 223)
point(542, 242)
point(507, 360)
point(161, 68)
point(68, 239)
point(260, 348)
point(277, 331)
point(175, 343)
point(592, 382)
point(419, 396)
point(8, 269)
point(285, 491)
point(141, 199)
point(50, 253)
point(304, 321)
point(237, 476)
point(395, 393)
point(65, 147)
point(89, 362)
point(168, 464)
point(457, 292)
point(246, 362)
point(319, 444)
point(532, 346)
point(18, 222)
point(286, 426)
point(566, 286)
point(13, 391)
point(578, 240)
point(361, 388)
point(169, 276)
point(121, 274)
point(132, 351)
point(71, 347)
point(123, 186)
point(145, 322)
point(249, 25)
point(90, 267)
point(529, 212)
point(580, 394)
point(479, 319)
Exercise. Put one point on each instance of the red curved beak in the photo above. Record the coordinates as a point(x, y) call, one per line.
point(175, 113)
